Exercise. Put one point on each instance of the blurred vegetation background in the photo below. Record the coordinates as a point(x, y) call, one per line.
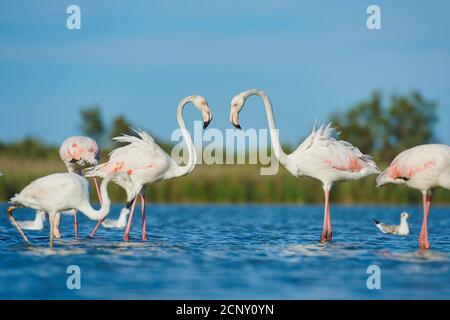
point(380, 126)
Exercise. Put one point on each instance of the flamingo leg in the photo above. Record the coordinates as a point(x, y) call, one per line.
point(98, 190)
point(423, 238)
point(75, 223)
point(130, 218)
point(327, 231)
point(144, 219)
point(99, 223)
point(57, 220)
point(9, 212)
point(52, 218)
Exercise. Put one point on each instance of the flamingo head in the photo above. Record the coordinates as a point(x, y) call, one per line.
point(237, 103)
point(201, 104)
point(386, 178)
point(79, 152)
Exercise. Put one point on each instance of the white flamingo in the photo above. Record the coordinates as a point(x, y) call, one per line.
point(423, 168)
point(58, 192)
point(319, 156)
point(77, 153)
point(145, 162)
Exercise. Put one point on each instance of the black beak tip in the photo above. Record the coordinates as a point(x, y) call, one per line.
point(237, 126)
point(206, 124)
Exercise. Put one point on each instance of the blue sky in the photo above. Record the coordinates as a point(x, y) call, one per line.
point(139, 58)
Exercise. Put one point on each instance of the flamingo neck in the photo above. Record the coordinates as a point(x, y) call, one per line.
point(93, 214)
point(274, 132)
point(183, 170)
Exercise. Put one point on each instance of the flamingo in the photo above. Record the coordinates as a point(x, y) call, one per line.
point(146, 162)
point(77, 153)
point(423, 168)
point(319, 156)
point(57, 192)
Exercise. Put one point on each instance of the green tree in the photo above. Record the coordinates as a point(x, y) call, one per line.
point(119, 126)
point(92, 122)
point(411, 122)
point(385, 131)
point(363, 124)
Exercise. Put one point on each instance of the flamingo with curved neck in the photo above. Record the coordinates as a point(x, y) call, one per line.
point(145, 162)
point(319, 156)
point(59, 192)
point(77, 153)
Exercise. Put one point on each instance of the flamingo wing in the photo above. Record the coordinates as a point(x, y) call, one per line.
point(141, 156)
point(322, 150)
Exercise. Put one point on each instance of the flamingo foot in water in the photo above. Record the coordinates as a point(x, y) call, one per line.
point(326, 236)
point(423, 243)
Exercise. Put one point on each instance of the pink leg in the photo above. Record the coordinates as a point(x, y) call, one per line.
point(130, 218)
point(326, 233)
point(98, 190)
point(329, 236)
point(99, 223)
point(75, 223)
point(423, 238)
point(144, 219)
point(56, 222)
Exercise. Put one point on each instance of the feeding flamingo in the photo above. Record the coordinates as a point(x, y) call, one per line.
point(145, 162)
point(423, 168)
point(319, 156)
point(77, 153)
point(58, 192)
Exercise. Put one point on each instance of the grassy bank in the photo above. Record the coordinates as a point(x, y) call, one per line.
point(223, 184)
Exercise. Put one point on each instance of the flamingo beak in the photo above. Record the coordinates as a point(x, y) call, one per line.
point(207, 117)
point(234, 119)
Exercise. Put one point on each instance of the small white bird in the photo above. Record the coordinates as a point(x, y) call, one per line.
point(402, 229)
point(58, 192)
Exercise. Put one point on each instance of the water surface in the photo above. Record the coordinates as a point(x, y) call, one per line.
point(232, 252)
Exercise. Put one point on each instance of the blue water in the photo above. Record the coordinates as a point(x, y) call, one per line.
point(232, 252)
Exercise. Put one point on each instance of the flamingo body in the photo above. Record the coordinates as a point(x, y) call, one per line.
point(321, 156)
point(58, 192)
point(422, 167)
point(142, 159)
